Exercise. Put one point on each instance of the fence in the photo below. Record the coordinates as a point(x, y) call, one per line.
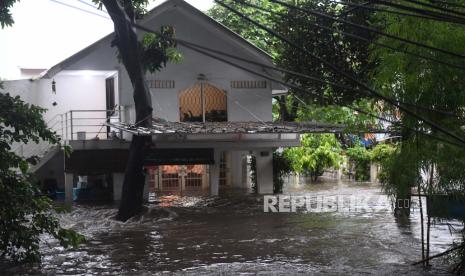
point(77, 125)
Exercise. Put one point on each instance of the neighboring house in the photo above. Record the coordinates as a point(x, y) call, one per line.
point(89, 101)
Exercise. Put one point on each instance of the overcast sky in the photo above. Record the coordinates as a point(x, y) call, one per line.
point(46, 32)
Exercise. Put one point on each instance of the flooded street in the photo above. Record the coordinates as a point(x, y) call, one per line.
point(192, 236)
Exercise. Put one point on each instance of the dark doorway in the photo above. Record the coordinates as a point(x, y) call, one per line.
point(110, 101)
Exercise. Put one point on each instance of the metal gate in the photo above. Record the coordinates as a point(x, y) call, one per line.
point(179, 179)
point(169, 176)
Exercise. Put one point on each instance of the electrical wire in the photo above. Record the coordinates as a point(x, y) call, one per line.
point(448, 3)
point(80, 9)
point(298, 88)
point(245, 69)
point(370, 8)
point(423, 57)
point(446, 17)
point(345, 74)
point(435, 7)
point(278, 69)
point(370, 29)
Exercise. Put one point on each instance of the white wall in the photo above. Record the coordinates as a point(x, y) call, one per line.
point(72, 93)
point(23, 88)
point(197, 29)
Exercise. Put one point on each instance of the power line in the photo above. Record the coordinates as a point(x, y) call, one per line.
point(309, 108)
point(298, 88)
point(448, 3)
point(92, 6)
point(80, 9)
point(370, 29)
point(337, 85)
point(435, 7)
point(275, 68)
point(366, 7)
point(420, 56)
point(308, 77)
point(265, 76)
point(285, 70)
point(392, 122)
point(447, 17)
point(238, 66)
point(345, 74)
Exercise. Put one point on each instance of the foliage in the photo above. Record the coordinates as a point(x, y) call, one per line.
point(334, 114)
point(346, 53)
point(317, 153)
point(381, 152)
point(253, 174)
point(159, 49)
point(24, 213)
point(255, 35)
point(403, 170)
point(360, 158)
point(281, 167)
point(430, 85)
point(382, 155)
point(436, 166)
point(324, 38)
point(6, 19)
point(133, 8)
point(156, 49)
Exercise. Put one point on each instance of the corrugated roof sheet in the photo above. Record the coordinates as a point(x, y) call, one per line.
point(161, 127)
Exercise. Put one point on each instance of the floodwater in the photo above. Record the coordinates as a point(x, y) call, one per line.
point(205, 236)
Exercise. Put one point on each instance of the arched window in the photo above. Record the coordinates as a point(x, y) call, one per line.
point(203, 102)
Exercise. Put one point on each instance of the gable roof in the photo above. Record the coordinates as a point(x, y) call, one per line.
point(164, 7)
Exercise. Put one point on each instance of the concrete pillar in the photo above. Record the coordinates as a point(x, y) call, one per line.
point(215, 174)
point(146, 188)
point(264, 171)
point(69, 183)
point(245, 172)
point(118, 179)
point(373, 173)
point(236, 169)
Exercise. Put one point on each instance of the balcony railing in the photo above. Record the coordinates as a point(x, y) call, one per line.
point(76, 125)
point(89, 124)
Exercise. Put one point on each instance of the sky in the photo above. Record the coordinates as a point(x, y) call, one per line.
point(46, 32)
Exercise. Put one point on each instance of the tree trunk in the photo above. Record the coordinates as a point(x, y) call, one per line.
point(422, 229)
point(285, 114)
point(130, 52)
point(428, 225)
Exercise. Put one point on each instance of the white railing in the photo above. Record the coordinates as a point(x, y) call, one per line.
point(76, 125)
point(90, 124)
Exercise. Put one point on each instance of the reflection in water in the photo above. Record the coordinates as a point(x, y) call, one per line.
point(211, 236)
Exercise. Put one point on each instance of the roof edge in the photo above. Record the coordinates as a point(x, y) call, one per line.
point(52, 71)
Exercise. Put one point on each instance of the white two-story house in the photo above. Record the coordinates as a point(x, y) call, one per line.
point(209, 116)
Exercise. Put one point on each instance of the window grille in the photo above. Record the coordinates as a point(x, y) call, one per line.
point(161, 84)
point(248, 84)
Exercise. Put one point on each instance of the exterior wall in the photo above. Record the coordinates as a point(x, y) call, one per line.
point(23, 88)
point(72, 93)
point(78, 92)
point(198, 29)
